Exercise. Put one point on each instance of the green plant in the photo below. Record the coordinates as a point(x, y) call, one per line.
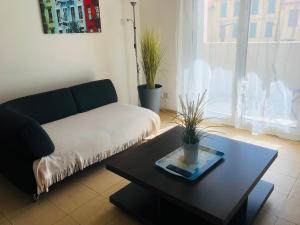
point(190, 118)
point(151, 56)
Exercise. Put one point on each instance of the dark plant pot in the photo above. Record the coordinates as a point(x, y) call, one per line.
point(150, 98)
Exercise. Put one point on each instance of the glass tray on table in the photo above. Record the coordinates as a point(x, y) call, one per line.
point(174, 163)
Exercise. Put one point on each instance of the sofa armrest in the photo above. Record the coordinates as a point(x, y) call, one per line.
point(23, 135)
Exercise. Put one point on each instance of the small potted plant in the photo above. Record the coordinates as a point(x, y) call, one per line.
point(150, 93)
point(190, 118)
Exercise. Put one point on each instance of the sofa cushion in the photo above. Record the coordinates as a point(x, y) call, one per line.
point(36, 140)
point(46, 107)
point(94, 94)
point(23, 134)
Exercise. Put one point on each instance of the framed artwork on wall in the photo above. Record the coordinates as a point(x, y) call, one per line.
point(70, 16)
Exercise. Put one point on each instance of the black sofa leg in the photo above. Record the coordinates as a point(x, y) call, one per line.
point(35, 197)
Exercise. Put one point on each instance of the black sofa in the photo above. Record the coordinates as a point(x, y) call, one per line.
point(22, 138)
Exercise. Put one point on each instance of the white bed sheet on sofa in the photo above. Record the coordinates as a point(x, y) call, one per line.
point(86, 138)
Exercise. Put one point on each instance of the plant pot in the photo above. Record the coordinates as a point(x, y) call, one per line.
point(150, 98)
point(190, 153)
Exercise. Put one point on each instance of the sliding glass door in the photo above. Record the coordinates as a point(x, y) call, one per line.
point(207, 53)
point(272, 78)
point(245, 53)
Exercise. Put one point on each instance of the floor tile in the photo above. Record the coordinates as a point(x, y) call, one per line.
point(274, 204)
point(96, 212)
point(166, 120)
point(265, 219)
point(291, 210)
point(38, 213)
point(70, 195)
point(12, 199)
point(282, 183)
point(4, 220)
point(124, 219)
point(283, 222)
point(295, 193)
point(285, 166)
point(67, 221)
point(115, 188)
point(291, 151)
point(101, 180)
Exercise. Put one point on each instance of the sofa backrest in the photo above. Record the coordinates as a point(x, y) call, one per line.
point(54, 105)
point(94, 94)
point(46, 107)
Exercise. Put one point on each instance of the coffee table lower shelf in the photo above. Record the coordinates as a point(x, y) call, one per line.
point(153, 210)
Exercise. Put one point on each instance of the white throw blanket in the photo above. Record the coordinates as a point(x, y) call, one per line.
point(86, 138)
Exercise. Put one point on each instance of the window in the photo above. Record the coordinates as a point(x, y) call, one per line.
point(252, 30)
point(65, 14)
point(254, 7)
point(223, 9)
point(89, 12)
point(73, 13)
point(271, 6)
point(293, 18)
point(80, 14)
point(222, 33)
point(50, 15)
point(269, 30)
point(58, 15)
point(236, 9)
point(60, 31)
point(234, 30)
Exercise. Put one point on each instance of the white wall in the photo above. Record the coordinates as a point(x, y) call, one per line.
point(32, 62)
point(162, 16)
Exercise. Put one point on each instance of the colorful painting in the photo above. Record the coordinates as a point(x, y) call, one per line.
point(70, 16)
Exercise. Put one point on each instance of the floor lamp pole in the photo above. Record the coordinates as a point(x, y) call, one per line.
point(135, 42)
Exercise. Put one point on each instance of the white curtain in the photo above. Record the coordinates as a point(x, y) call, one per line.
point(246, 55)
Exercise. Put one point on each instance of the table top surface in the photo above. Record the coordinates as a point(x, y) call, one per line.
point(216, 196)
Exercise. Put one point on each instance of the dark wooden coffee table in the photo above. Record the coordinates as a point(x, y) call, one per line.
point(232, 193)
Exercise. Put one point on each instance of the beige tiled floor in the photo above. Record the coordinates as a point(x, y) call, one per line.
point(83, 199)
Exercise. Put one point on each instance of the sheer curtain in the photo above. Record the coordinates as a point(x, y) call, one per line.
point(245, 54)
